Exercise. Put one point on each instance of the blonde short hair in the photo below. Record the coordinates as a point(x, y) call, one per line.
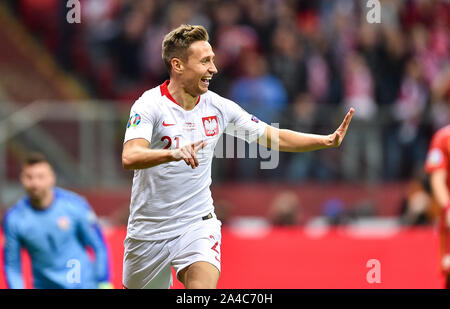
point(177, 42)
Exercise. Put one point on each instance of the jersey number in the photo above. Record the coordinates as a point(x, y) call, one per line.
point(169, 141)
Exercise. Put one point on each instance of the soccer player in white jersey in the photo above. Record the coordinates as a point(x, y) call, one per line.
point(169, 143)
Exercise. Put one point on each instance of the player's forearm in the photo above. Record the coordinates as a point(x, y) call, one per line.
point(101, 265)
point(439, 187)
point(14, 279)
point(11, 258)
point(141, 158)
point(291, 141)
point(13, 271)
point(93, 236)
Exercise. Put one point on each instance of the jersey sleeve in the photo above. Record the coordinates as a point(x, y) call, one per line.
point(11, 254)
point(437, 156)
point(91, 235)
point(141, 121)
point(241, 124)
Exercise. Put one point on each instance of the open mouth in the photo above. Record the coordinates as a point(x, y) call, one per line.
point(205, 80)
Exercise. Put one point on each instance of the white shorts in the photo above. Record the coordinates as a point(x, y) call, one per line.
point(147, 264)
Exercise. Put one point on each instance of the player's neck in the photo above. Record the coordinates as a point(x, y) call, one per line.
point(44, 202)
point(183, 98)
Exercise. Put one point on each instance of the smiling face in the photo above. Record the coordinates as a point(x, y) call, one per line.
point(198, 69)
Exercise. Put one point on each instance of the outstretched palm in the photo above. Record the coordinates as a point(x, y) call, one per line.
point(338, 136)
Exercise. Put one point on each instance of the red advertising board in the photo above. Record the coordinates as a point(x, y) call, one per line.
point(292, 258)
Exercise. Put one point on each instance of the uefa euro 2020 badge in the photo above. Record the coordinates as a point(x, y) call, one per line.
point(134, 121)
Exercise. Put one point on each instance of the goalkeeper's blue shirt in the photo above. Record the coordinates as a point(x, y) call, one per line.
point(56, 239)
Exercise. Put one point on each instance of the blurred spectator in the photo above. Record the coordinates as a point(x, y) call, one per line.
point(101, 26)
point(334, 212)
point(363, 144)
point(359, 88)
point(222, 209)
point(173, 14)
point(387, 64)
point(301, 117)
point(259, 17)
point(129, 43)
point(230, 38)
point(416, 206)
point(406, 144)
point(318, 70)
point(41, 16)
point(285, 209)
point(287, 60)
point(362, 209)
point(262, 95)
point(440, 99)
point(258, 91)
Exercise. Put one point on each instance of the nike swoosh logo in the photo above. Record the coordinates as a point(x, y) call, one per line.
point(168, 124)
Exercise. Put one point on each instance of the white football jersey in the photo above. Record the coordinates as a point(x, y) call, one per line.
point(167, 198)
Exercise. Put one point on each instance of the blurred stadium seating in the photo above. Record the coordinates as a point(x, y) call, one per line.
point(66, 90)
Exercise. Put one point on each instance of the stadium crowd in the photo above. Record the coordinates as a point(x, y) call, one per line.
point(297, 63)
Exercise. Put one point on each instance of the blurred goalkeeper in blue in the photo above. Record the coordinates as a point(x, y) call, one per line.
point(56, 227)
